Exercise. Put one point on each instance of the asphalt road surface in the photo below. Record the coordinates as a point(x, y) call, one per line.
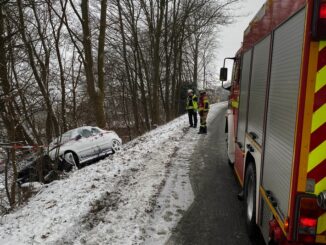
point(216, 216)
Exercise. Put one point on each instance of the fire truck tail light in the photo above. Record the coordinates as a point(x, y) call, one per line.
point(322, 10)
point(307, 226)
point(307, 219)
point(319, 20)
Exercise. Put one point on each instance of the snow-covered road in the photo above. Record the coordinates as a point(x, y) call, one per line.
point(136, 197)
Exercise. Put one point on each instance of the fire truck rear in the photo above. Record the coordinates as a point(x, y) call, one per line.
point(277, 121)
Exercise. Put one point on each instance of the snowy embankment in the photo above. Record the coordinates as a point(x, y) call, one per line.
point(138, 196)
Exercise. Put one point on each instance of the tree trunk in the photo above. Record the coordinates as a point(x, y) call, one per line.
point(40, 77)
point(156, 63)
point(195, 78)
point(126, 62)
point(140, 65)
point(100, 65)
point(56, 36)
point(95, 95)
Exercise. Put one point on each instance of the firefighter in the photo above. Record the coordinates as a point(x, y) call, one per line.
point(192, 107)
point(203, 111)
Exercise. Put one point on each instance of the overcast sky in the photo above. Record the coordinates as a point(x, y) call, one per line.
point(230, 37)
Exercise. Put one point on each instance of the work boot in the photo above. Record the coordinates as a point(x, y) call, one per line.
point(201, 130)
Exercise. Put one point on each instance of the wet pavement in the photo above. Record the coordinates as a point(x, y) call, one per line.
point(216, 216)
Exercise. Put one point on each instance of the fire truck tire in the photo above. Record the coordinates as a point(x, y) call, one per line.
point(231, 164)
point(272, 242)
point(250, 200)
point(226, 130)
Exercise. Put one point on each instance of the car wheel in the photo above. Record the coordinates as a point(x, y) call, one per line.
point(250, 200)
point(116, 145)
point(72, 159)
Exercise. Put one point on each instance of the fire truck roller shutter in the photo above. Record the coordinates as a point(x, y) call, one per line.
point(244, 86)
point(258, 88)
point(282, 109)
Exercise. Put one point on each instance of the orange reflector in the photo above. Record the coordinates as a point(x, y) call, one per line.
point(286, 225)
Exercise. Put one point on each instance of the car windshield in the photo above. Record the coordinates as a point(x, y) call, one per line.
point(66, 136)
point(63, 138)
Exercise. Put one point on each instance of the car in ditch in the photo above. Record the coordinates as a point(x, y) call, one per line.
point(77, 147)
point(83, 145)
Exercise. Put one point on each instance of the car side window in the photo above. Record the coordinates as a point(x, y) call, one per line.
point(86, 133)
point(95, 131)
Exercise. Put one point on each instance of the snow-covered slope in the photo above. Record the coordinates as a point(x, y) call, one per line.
point(114, 201)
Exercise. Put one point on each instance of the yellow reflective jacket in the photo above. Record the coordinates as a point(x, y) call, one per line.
point(203, 103)
point(192, 103)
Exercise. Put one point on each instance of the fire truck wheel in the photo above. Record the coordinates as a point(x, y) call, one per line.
point(231, 164)
point(250, 200)
point(226, 125)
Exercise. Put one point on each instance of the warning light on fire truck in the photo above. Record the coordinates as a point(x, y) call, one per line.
point(319, 20)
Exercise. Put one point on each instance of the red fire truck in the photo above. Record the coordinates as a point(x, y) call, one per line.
point(277, 121)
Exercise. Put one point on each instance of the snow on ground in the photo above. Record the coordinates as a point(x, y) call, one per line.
point(136, 197)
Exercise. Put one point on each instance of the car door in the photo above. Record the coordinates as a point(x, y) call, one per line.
point(101, 142)
point(87, 149)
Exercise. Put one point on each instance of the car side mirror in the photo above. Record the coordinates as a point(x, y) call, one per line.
point(223, 74)
point(78, 137)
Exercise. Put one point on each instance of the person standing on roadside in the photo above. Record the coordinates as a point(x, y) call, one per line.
point(203, 111)
point(192, 107)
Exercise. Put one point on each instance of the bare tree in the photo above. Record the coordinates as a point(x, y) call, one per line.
point(96, 91)
point(129, 61)
point(39, 63)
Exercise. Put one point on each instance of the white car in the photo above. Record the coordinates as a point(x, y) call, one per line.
point(83, 145)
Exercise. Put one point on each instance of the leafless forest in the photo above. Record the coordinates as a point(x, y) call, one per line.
point(118, 64)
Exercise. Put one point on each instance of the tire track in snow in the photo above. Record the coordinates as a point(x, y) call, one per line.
point(176, 195)
point(104, 213)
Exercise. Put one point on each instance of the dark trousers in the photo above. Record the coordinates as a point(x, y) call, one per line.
point(192, 117)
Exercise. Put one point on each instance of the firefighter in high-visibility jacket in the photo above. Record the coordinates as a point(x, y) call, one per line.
point(203, 111)
point(192, 107)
